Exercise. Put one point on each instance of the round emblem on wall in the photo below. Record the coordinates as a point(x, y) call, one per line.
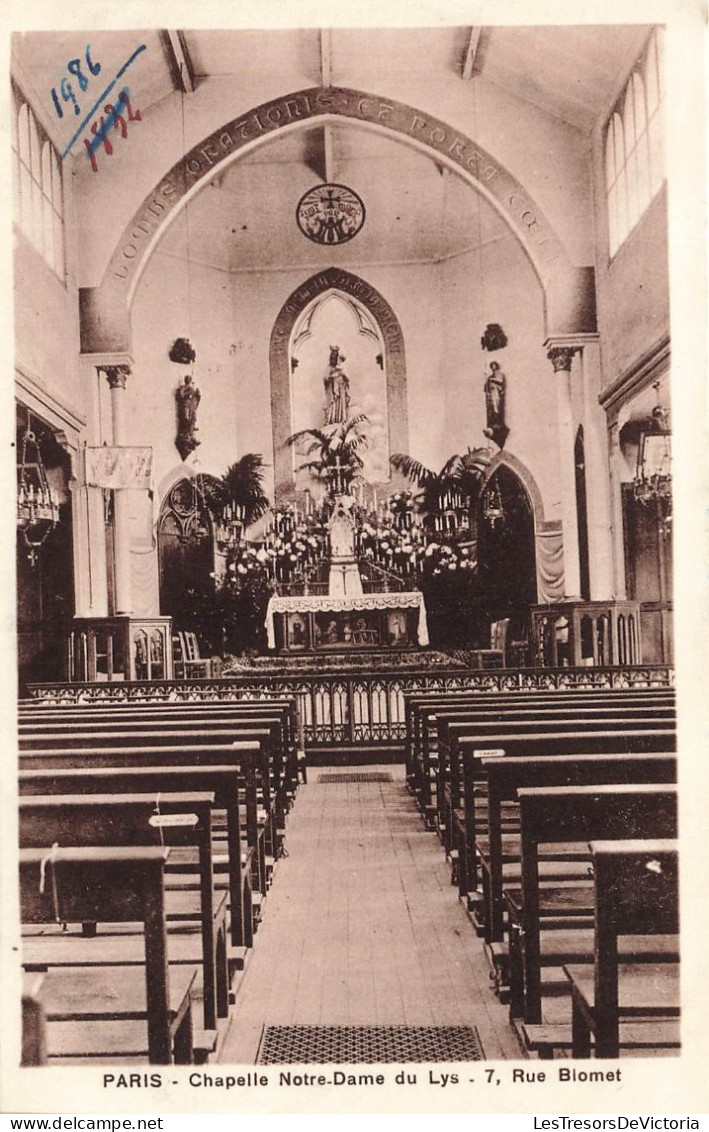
point(330, 214)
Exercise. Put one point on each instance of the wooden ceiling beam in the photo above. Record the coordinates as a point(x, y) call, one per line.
point(471, 50)
point(180, 61)
point(325, 57)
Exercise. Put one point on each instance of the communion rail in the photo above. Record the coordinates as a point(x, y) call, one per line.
point(348, 711)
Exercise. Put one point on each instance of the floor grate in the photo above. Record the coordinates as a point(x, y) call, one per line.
point(354, 776)
point(357, 1045)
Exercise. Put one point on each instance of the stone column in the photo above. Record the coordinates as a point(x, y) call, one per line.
point(116, 376)
point(616, 475)
point(598, 501)
point(561, 358)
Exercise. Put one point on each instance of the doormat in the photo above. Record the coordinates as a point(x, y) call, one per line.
point(354, 776)
point(356, 1045)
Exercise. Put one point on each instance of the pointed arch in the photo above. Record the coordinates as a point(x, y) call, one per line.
point(568, 290)
point(334, 279)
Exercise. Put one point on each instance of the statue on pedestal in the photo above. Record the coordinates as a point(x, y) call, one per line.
point(337, 389)
point(496, 428)
point(188, 398)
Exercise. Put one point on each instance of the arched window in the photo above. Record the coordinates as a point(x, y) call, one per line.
point(39, 204)
point(634, 150)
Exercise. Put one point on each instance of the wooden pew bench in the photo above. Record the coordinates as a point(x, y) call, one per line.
point(233, 860)
point(487, 735)
point(616, 1004)
point(499, 849)
point(422, 710)
point(240, 757)
point(169, 747)
point(130, 820)
point(230, 705)
point(118, 1015)
point(561, 814)
point(587, 740)
point(90, 735)
point(198, 716)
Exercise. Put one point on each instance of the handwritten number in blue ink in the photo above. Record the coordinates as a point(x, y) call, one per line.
point(57, 103)
point(95, 68)
point(74, 68)
point(68, 94)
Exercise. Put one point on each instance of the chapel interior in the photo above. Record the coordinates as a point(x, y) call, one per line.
point(342, 363)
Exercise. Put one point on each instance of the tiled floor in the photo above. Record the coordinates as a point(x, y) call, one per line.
point(362, 927)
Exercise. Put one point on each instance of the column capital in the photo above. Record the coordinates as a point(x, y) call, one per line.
point(115, 374)
point(561, 348)
point(561, 357)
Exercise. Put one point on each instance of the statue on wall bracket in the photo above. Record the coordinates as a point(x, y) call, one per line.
point(496, 430)
point(187, 398)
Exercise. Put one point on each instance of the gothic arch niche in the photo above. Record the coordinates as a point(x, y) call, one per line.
point(185, 551)
point(507, 567)
point(286, 336)
point(338, 320)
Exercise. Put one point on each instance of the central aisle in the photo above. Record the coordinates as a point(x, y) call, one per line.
point(362, 926)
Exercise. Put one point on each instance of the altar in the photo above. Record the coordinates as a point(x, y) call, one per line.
point(339, 622)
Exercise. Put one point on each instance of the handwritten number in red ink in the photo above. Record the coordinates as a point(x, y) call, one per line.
point(95, 68)
point(133, 116)
point(118, 119)
point(74, 68)
point(68, 95)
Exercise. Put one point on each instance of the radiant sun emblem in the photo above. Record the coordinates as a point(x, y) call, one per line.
point(330, 214)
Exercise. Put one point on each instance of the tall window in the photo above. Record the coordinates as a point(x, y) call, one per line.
point(39, 196)
point(634, 149)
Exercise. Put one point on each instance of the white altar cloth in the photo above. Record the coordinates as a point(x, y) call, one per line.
point(325, 603)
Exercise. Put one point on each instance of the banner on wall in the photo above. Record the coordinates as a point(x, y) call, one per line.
point(117, 468)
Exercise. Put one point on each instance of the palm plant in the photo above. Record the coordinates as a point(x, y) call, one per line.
point(334, 451)
point(241, 486)
point(463, 474)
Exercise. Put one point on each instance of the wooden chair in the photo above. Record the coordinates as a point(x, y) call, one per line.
point(494, 657)
point(636, 885)
point(187, 663)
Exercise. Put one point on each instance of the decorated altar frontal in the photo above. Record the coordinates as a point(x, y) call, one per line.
point(340, 622)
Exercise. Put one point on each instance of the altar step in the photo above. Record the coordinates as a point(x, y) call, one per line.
point(355, 754)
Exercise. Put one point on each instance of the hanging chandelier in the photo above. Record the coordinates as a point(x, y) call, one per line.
point(37, 502)
point(492, 509)
point(230, 525)
point(652, 486)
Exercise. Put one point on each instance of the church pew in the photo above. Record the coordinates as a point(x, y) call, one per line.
point(244, 757)
point(131, 819)
point(422, 710)
point(453, 732)
point(231, 706)
point(223, 781)
point(111, 885)
point(570, 738)
point(552, 815)
point(581, 742)
point(636, 892)
point(434, 770)
point(204, 715)
point(499, 852)
point(80, 734)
